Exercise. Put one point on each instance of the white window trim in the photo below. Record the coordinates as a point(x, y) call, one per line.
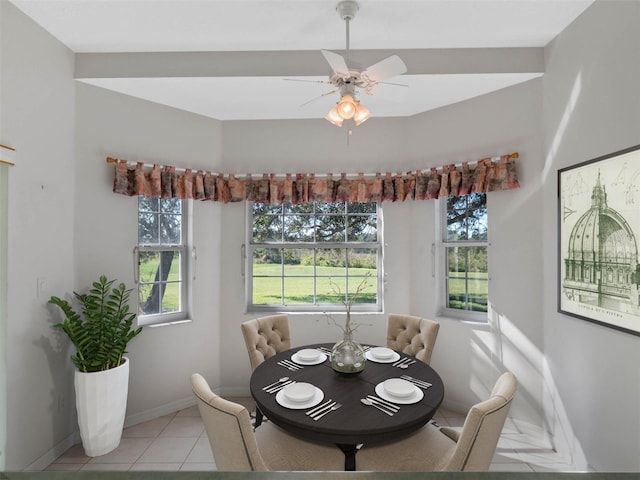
point(247, 272)
point(440, 269)
point(187, 266)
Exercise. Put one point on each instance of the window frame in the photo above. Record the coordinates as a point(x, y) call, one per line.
point(247, 269)
point(186, 266)
point(441, 263)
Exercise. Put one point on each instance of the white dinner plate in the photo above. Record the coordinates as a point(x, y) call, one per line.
point(317, 361)
point(414, 398)
point(282, 400)
point(394, 358)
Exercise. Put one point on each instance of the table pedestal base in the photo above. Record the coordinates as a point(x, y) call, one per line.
point(349, 456)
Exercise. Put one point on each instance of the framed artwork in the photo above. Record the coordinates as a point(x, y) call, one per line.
point(598, 240)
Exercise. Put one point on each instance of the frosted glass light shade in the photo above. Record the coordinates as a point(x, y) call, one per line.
point(347, 107)
point(334, 117)
point(362, 114)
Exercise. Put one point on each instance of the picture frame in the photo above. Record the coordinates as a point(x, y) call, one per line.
point(599, 240)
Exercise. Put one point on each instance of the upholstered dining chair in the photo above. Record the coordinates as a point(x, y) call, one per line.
point(412, 335)
point(433, 449)
point(236, 447)
point(266, 336)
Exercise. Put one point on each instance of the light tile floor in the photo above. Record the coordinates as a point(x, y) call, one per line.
point(178, 442)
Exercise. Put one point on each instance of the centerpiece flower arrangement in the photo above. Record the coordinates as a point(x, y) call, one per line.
point(347, 356)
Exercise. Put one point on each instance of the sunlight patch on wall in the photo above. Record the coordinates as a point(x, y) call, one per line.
point(562, 126)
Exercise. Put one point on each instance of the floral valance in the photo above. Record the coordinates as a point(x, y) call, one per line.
point(158, 181)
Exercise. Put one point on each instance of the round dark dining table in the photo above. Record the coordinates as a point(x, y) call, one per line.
point(353, 423)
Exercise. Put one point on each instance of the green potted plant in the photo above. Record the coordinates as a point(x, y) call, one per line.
point(100, 330)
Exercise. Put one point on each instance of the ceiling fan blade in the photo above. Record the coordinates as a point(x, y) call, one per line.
point(387, 68)
point(306, 81)
point(318, 97)
point(336, 62)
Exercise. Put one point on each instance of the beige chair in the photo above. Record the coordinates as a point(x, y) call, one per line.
point(236, 447)
point(433, 449)
point(412, 335)
point(266, 336)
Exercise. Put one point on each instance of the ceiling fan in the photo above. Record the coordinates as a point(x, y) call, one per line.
point(347, 79)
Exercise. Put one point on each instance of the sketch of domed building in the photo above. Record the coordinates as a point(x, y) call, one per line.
point(601, 266)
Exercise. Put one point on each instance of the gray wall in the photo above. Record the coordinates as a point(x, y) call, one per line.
point(591, 108)
point(37, 118)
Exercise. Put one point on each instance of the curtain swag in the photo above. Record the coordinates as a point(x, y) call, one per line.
point(488, 175)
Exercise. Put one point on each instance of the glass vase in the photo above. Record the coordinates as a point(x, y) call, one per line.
point(348, 356)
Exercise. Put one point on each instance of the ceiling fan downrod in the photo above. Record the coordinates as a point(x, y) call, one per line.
point(347, 10)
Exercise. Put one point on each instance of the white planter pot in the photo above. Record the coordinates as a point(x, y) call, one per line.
point(101, 402)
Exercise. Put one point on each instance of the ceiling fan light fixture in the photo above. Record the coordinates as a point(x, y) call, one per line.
point(362, 114)
point(334, 117)
point(347, 107)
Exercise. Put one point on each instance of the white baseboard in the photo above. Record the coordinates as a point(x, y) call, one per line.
point(159, 411)
point(73, 439)
point(49, 456)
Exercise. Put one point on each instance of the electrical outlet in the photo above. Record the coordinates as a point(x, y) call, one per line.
point(41, 287)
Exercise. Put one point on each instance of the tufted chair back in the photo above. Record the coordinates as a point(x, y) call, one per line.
point(236, 447)
point(266, 336)
point(412, 335)
point(229, 429)
point(476, 444)
point(432, 449)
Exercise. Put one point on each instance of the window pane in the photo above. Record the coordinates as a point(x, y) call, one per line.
point(330, 289)
point(146, 204)
point(298, 290)
point(290, 209)
point(171, 205)
point(298, 262)
point(298, 228)
point(467, 278)
point(149, 265)
point(330, 228)
point(267, 290)
point(362, 228)
point(361, 207)
point(170, 229)
point(363, 289)
point(467, 217)
point(148, 233)
point(267, 261)
point(267, 224)
point(171, 297)
point(331, 261)
point(145, 301)
point(361, 260)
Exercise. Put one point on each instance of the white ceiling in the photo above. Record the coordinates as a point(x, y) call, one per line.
point(283, 40)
